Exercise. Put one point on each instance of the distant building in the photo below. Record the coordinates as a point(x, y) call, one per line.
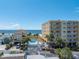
point(19, 34)
point(66, 29)
point(3, 38)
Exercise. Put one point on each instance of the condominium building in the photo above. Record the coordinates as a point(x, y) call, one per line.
point(66, 29)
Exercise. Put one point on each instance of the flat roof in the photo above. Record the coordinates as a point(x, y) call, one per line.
point(13, 55)
point(2, 47)
point(40, 57)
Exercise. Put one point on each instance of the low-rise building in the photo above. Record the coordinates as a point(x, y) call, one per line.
point(12, 56)
point(19, 33)
point(12, 53)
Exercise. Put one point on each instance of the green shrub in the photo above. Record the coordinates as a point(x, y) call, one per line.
point(13, 52)
point(8, 46)
point(1, 53)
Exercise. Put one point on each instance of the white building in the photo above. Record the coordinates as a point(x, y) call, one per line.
point(40, 57)
point(12, 56)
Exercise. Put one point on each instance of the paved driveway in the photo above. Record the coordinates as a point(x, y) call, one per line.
point(75, 55)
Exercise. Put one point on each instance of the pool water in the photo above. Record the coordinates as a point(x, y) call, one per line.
point(33, 42)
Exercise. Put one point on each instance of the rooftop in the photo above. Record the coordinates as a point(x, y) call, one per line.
point(13, 55)
point(40, 57)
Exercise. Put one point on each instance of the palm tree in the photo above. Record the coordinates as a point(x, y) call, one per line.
point(25, 40)
point(50, 37)
point(77, 46)
point(64, 53)
point(7, 40)
point(51, 40)
point(56, 42)
point(1, 53)
point(65, 42)
point(24, 43)
point(8, 46)
point(37, 34)
point(58, 52)
point(59, 42)
point(29, 34)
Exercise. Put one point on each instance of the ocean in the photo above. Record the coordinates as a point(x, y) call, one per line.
point(13, 31)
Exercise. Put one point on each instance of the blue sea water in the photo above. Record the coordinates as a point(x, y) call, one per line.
point(13, 31)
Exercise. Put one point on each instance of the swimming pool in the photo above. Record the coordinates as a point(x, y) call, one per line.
point(34, 42)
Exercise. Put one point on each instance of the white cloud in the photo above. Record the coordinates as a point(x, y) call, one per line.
point(10, 26)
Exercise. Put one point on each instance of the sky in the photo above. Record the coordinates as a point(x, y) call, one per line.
point(30, 14)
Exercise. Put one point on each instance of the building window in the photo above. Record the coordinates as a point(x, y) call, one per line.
point(75, 23)
point(68, 23)
point(74, 31)
point(57, 23)
point(68, 35)
point(64, 27)
point(57, 31)
point(70, 39)
point(64, 23)
point(57, 27)
point(69, 31)
point(74, 27)
point(68, 27)
point(74, 35)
